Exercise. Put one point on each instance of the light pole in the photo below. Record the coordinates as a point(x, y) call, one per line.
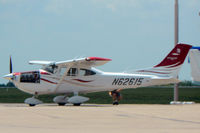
point(176, 40)
point(176, 37)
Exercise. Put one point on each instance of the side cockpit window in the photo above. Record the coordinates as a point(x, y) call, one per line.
point(62, 70)
point(86, 72)
point(30, 77)
point(75, 71)
point(72, 72)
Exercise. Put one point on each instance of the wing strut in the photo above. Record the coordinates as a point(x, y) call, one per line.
point(62, 78)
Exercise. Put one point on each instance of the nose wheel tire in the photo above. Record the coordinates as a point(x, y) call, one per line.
point(31, 105)
point(32, 101)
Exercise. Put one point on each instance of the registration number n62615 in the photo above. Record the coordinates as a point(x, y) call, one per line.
point(127, 81)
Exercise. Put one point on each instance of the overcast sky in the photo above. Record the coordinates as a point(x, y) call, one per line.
point(133, 33)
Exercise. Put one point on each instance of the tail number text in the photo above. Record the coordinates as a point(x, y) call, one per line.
point(127, 81)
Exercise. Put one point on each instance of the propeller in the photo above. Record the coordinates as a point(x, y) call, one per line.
point(10, 65)
point(9, 76)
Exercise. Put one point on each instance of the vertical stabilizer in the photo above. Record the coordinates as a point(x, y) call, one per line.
point(171, 64)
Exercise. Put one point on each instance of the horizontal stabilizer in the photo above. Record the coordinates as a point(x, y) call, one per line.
point(164, 80)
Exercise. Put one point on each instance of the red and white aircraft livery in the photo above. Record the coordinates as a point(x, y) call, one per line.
point(80, 76)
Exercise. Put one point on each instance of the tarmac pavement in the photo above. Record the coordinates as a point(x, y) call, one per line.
point(95, 118)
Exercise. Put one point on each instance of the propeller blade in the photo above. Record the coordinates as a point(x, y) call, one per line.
point(11, 65)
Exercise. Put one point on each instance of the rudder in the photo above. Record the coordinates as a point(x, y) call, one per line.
point(176, 57)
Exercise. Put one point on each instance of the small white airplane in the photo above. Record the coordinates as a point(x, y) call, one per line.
point(194, 58)
point(79, 76)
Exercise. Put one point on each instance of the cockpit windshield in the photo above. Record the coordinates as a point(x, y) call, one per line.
point(50, 68)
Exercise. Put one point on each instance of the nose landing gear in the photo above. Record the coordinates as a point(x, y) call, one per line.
point(32, 101)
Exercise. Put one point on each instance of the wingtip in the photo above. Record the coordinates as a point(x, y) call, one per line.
point(97, 59)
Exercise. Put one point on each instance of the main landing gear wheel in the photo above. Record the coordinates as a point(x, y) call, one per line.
point(61, 104)
point(61, 100)
point(77, 100)
point(77, 104)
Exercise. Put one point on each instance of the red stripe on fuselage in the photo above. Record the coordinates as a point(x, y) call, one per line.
point(45, 73)
point(83, 81)
point(48, 81)
point(18, 73)
point(152, 72)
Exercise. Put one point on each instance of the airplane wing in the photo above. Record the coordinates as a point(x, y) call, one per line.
point(41, 62)
point(88, 61)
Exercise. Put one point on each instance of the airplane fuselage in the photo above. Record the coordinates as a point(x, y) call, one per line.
point(44, 82)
